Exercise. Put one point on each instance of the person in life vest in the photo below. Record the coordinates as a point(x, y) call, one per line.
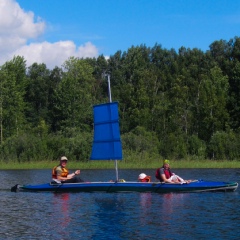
point(61, 173)
point(144, 178)
point(167, 176)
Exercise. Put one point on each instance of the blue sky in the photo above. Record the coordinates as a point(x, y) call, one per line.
point(106, 26)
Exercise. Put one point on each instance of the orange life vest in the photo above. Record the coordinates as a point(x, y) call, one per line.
point(64, 172)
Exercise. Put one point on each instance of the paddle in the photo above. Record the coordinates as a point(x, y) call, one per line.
point(15, 188)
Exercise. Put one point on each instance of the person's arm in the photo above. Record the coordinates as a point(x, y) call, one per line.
point(59, 177)
point(69, 176)
point(77, 172)
point(163, 176)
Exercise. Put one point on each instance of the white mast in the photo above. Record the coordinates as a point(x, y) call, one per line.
point(110, 100)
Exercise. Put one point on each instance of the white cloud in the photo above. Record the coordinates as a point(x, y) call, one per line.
point(18, 27)
point(54, 54)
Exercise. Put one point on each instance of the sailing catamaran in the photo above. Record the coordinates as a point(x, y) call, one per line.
point(107, 146)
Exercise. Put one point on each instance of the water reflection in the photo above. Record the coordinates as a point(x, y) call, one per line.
point(117, 215)
point(169, 210)
point(61, 216)
point(145, 200)
point(172, 201)
point(110, 216)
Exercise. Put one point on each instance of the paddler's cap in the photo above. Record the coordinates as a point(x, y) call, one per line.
point(166, 162)
point(142, 176)
point(63, 158)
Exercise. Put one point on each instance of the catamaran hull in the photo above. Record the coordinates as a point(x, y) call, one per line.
point(198, 186)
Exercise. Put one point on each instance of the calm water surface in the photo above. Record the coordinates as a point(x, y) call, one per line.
point(26, 215)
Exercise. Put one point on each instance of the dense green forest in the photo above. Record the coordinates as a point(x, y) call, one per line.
point(177, 105)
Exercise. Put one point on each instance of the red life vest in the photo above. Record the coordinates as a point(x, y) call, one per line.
point(167, 173)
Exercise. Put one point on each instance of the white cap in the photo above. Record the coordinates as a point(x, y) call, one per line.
point(142, 176)
point(63, 158)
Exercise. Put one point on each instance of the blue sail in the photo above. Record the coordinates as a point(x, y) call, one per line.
point(107, 143)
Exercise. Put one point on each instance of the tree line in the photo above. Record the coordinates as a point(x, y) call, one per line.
point(172, 104)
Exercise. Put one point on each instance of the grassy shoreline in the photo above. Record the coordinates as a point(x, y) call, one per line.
point(121, 164)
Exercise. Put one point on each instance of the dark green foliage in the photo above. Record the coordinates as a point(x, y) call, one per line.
point(25, 147)
point(179, 105)
point(139, 140)
point(12, 90)
point(174, 146)
point(196, 147)
point(224, 145)
point(74, 96)
point(32, 147)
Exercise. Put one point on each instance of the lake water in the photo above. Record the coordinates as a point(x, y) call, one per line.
point(63, 216)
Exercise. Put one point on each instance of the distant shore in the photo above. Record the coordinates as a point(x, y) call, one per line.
point(121, 164)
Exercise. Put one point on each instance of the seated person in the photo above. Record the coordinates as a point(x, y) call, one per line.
point(144, 178)
point(61, 173)
point(164, 174)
